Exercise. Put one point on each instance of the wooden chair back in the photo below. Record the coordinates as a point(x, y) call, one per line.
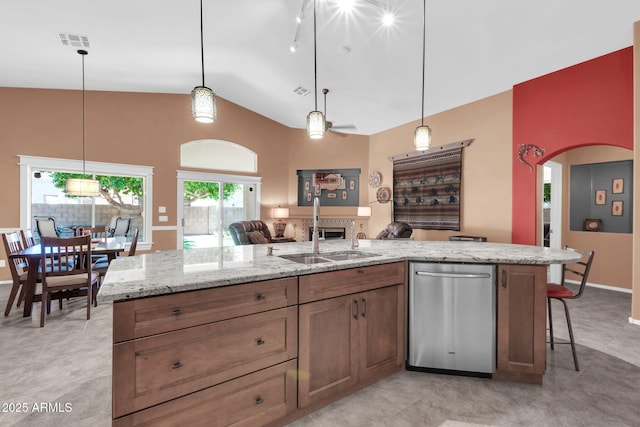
point(579, 269)
point(71, 268)
point(17, 266)
point(28, 239)
point(134, 240)
point(99, 233)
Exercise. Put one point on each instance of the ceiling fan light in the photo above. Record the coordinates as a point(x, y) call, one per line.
point(422, 137)
point(203, 104)
point(315, 125)
point(82, 187)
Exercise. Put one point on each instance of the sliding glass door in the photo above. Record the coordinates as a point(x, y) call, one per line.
point(208, 203)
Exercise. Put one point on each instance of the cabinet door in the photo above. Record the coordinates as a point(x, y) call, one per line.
point(328, 348)
point(521, 339)
point(381, 329)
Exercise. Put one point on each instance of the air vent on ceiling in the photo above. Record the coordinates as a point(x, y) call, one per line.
point(301, 91)
point(74, 40)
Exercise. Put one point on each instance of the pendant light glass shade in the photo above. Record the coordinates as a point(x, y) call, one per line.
point(316, 125)
point(203, 100)
point(422, 137)
point(203, 104)
point(82, 187)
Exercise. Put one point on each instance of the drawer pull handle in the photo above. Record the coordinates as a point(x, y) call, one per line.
point(259, 341)
point(177, 365)
point(176, 312)
point(260, 297)
point(259, 400)
point(360, 271)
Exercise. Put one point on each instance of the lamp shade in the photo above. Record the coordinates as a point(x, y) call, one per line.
point(203, 104)
point(280, 213)
point(83, 187)
point(364, 210)
point(422, 137)
point(316, 125)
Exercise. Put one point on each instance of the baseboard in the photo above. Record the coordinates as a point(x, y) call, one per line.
point(607, 287)
point(6, 282)
point(634, 321)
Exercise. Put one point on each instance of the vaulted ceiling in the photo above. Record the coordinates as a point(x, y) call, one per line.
point(474, 49)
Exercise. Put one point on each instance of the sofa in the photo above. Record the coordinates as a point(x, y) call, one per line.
point(250, 232)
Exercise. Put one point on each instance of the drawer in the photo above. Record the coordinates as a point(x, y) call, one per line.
point(344, 282)
point(149, 316)
point(253, 400)
point(151, 370)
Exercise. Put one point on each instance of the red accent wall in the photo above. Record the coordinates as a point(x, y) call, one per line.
point(590, 103)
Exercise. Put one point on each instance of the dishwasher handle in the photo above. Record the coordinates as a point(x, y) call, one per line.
point(455, 275)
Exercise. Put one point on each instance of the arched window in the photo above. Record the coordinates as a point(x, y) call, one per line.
point(218, 155)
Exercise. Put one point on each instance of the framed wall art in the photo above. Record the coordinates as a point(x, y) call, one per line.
point(334, 187)
point(616, 208)
point(601, 197)
point(617, 186)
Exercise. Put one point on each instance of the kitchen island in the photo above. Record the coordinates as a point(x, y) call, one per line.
point(233, 335)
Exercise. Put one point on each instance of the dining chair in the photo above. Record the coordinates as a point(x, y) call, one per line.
point(46, 226)
point(560, 292)
point(73, 270)
point(17, 266)
point(101, 266)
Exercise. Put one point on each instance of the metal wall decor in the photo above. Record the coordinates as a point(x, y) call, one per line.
point(524, 150)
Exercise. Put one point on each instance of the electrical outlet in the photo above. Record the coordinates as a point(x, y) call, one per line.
point(2, 264)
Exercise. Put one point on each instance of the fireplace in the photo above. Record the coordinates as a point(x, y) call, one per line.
point(331, 229)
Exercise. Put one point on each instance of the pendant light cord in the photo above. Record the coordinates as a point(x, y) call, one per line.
point(315, 67)
point(424, 37)
point(201, 43)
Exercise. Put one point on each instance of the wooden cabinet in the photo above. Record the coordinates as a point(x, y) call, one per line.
point(521, 323)
point(168, 350)
point(350, 340)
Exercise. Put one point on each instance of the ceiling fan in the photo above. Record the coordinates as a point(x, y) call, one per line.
point(329, 125)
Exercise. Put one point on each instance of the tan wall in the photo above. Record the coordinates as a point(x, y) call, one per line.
point(486, 166)
point(148, 129)
point(612, 264)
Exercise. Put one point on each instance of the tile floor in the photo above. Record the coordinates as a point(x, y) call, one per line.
point(61, 375)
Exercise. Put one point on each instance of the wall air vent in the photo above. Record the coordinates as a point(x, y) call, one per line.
point(301, 91)
point(74, 40)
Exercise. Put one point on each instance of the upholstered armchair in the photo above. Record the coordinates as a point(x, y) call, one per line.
point(250, 232)
point(396, 230)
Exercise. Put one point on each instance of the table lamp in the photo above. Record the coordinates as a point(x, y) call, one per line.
point(279, 226)
point(364, 211)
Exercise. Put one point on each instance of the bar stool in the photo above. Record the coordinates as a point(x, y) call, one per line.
point(562, 293)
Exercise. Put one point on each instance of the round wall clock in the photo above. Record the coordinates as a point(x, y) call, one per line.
point(375, 179)
point(383, 194)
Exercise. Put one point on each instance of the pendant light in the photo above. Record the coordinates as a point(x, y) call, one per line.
point(316, 124)
point(203, 100)
point(422, 136)
point(83, 187)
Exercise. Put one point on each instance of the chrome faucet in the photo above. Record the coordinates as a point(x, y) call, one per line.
point(316, 218)
point(354, 240)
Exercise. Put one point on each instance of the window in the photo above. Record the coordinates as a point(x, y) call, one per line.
point(128, 194)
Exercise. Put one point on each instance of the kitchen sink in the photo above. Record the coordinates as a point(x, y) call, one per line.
point(310, 258)
point(305, 258)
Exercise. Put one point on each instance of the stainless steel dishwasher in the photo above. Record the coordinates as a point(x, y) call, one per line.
point(452, 321)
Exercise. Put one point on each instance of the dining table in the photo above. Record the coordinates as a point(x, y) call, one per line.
point(110, 246)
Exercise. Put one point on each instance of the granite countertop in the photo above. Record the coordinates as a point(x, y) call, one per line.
point(172, 271)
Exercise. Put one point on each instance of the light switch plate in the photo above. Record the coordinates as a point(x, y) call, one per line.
point(163, 218)
point(2, 264)
point(162, 209)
